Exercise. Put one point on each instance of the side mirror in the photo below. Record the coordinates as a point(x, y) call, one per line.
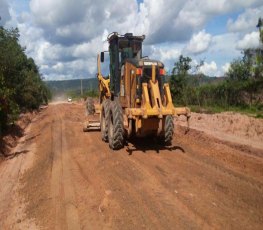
point(102, 57)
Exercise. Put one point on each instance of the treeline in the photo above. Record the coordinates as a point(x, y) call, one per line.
point(73, 87)
point(242, 85)
point(21, 86)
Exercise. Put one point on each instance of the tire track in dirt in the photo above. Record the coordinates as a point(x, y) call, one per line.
point(66, 216)
point(11, 171)
point(195, 170)
point(122, 175)
point(151, 196)
point(242, 159)
point(9, 179)
point(114, 182)
point(205, 162)
point(168, 197)
point(143, 186)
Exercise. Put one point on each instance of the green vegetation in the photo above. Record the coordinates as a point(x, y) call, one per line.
point(21, 86)
point(240, 90)
point(251, 111)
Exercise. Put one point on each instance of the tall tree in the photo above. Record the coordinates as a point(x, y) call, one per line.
point(21, 86)
point(259, 26)
point(178, 79)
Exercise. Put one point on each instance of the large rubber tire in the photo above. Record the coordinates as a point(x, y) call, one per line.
point(116, 128)
point(104, 119)
point(90, 106)
point(168, 130)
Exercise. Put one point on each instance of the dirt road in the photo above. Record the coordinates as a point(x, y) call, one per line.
point(62, 178)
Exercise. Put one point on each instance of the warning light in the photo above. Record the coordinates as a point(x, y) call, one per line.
point(139, 71)
point(162, 71)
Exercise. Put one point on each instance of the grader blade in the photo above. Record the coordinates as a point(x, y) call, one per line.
point(91, 125)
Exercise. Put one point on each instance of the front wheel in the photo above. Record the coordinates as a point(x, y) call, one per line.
point(116, 128)
point(168, 130)
point(104, 119)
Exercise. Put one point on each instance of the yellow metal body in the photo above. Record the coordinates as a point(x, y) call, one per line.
point(157, 108)
point(104, 84)
point(148, 113)
point(105, 93)
point(145, 115)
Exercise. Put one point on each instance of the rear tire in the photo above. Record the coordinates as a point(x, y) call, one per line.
point(104, 119)
point(116, 128)
point(90, 106)
point(168, 130)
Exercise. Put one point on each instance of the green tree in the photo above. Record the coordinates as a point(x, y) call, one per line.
point(245, 76)
point(259, 26)
point(178, 80)
point(21, 85)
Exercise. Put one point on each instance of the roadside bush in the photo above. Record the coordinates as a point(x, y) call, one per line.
point(21, 86)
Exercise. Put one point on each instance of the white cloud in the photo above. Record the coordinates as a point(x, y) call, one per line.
point(225, 67)
point(68, 22)
point(59, 12)
point(199, 43)
point(194, 14)
point(209, 69)
point(58, 67)
point(223, 48)
point(165, 54)
point(91, 48)
point(64, 36)
point(250, 40)
point(246, 21)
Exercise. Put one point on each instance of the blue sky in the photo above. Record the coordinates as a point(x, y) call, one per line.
point(218, 24)
point(64, 36)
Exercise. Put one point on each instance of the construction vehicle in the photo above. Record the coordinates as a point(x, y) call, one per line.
point(134, 100)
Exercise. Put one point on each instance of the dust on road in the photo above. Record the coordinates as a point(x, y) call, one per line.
point(67, 179)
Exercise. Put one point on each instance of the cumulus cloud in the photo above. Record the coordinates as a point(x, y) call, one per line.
point(64, 36)
point(250, 40)
point(225, 67)
point(194, 14)
point(209, 69)
point(199, 43)
point(4, 12)
point(246, 21)
point(163, 21)
point(165, 53)
point(158, 16)
point(68, 22)
point(223, 47)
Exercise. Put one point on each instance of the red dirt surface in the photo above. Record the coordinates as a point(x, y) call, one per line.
point(229, 126)
point(64, 178)
point(14, 132)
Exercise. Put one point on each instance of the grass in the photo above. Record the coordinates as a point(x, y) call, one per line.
point(254, 111)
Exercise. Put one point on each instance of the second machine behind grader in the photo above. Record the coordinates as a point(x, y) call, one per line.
point(134, 100)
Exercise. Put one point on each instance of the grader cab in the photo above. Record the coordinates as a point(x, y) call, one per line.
point(135, 100)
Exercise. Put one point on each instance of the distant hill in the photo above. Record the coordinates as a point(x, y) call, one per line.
point(66, 86)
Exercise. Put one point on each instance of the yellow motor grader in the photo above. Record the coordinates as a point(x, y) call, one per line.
point(135, 100)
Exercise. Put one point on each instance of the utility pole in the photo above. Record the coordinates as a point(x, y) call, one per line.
point(81, 91)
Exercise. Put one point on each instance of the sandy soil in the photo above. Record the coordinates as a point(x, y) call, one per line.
point(63, 178)
point(10, 139)
point(229, 126)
